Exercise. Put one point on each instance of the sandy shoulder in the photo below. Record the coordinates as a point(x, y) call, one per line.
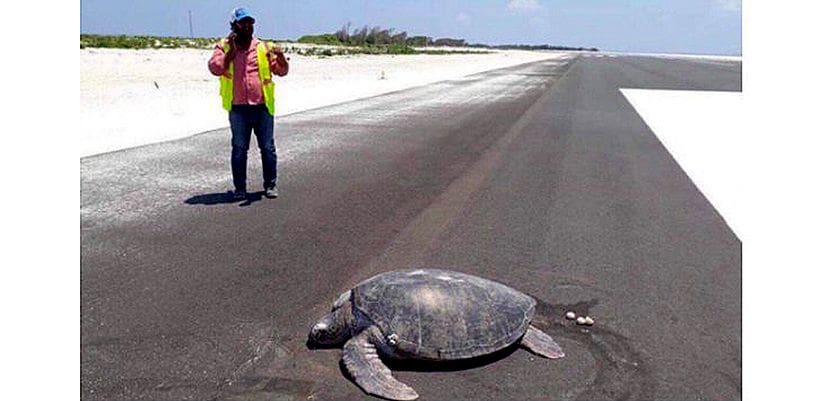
point(135, 97)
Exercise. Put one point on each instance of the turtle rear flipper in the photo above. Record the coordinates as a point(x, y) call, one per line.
point(369, 372)
point(540, 343)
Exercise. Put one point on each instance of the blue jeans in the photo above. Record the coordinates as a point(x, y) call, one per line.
point(245, 118)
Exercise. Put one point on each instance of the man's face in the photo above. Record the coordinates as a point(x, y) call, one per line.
point(244, 27)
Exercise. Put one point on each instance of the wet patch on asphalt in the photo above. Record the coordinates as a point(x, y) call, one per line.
point(621, 371)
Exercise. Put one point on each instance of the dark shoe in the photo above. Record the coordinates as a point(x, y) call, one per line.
point(239, 195)
point(271, 192)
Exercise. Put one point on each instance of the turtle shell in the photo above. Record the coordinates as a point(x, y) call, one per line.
point(443, 315)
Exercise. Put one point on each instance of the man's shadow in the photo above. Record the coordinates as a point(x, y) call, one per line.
point(224, 198)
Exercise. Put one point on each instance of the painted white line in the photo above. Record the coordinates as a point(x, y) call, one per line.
point(700, 130)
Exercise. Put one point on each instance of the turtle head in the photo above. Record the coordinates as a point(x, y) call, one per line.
point(334, 328)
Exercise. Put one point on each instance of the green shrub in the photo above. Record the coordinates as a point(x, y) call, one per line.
point(398, 48)
point(144, 42)
point(324, 39)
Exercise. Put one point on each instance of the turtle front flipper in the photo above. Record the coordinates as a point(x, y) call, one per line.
point(369, 372)
point(540, 343)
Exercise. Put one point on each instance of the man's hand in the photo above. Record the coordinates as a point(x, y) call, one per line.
point(231, 42)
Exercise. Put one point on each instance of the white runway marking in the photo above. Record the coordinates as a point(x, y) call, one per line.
point(699, 129)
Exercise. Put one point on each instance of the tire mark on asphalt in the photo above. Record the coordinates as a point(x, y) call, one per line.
point(419, 238)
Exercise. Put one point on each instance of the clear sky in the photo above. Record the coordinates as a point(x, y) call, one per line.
point(658, 26)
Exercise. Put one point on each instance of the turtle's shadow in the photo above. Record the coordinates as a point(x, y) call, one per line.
point(449, 366)
point(414, 365)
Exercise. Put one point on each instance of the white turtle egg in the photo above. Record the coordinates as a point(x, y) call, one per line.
point(589, 321)
point(571, 315)
point(581, 320)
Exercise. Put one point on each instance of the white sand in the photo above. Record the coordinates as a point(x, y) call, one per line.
point(135, 97)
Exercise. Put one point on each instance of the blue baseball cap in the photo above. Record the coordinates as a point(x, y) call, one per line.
point(241, 13)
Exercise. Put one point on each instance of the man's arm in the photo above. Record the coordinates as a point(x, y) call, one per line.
point(218, 64)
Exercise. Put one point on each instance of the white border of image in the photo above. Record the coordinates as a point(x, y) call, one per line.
point(40, 283)
point(40, 279)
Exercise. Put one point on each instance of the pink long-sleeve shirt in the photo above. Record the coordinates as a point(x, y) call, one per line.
point(247, 88)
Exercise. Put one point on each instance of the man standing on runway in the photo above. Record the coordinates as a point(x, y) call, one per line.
point(244, 65)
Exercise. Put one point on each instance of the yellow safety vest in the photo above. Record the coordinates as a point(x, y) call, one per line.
point(226, 80)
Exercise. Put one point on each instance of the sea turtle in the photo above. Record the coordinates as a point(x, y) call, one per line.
point(425, 314)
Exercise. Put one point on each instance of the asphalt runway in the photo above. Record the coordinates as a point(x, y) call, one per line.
point(541, 176)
